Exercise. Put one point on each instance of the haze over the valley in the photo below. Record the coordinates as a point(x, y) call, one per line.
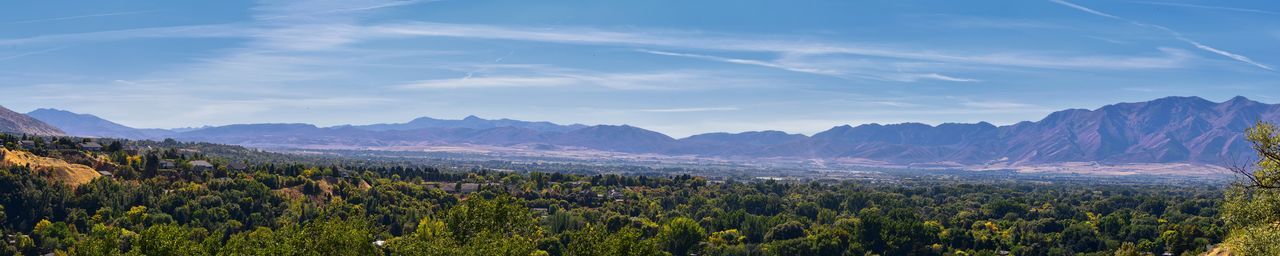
point(1183, 135)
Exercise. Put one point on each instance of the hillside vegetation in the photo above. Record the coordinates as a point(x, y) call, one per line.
point(51, 168)
point(172, 198)
point(1252, 207)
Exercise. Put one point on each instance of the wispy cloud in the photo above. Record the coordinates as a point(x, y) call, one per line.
point(292, 61)
point(746, 62)
point(1087, 9)
point(20, 55)
point(998, 105)
point(1209, 7)
point(173, 104)
point(687, 40)
point(1143, 89)
point(1227, 54)
point(232, 30)
point(230, 109)
point(75, 17)
point(834, 70)
point(892, 103)
point(688, 110)
point(936, 76)
point(492, 82)
point(541, 76)
point(295, 53)
point(336, 32)
point(975, 22)
point(311, 9)
point(1177, 35)
point(1109, 40)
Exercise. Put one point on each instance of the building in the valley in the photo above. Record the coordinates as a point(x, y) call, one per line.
point(200, 165)
point(91, 146)
point(168, 164)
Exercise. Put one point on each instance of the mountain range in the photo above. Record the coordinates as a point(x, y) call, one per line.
point(1166, 130)
point(14, 122)
point(472, 122)
point(92, 126)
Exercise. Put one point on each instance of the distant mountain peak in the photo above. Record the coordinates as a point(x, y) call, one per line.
point(93, 126)
point(14, 122)
point(1240, 101)
point(1183, 100)
point(54, 110)
point(469, 122)
point(423, 119)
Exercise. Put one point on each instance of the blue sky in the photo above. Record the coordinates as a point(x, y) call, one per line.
point(677, 67)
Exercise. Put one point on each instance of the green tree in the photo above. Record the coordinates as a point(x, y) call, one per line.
point(1127, 249)
point(501, 215)
point(1252, 207)
point(597, 240)
point(114, 147)
point(260, 242)
point(681, 236)
point(151, 166)
point(170, 240)
point(786, 231)
point(104, 240)
point(498, 226)
point(331, 236)
point(335, 236)
point(431, 237)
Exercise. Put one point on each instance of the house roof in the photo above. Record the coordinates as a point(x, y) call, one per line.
point(452, 187)
point(202, 163)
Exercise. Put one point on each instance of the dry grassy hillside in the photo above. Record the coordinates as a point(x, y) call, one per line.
point(1220, 250)
point(53, 168)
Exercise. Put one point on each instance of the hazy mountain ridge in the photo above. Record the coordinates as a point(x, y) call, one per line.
point(93, 126)
point(1172, 129)
point(14, 122)
point(1166, 130)
point(472, 122)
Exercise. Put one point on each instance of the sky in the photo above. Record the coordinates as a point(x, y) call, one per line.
point(676, 67)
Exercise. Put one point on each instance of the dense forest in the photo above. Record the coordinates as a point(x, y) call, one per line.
point(172, 198)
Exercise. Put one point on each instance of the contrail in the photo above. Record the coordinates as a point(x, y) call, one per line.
point(1175, 34)
point(77, 17)
point(1209, 7)
point(20, 55)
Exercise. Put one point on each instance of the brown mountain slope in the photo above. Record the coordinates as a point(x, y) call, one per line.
point(1166, 130)
point(14, 122)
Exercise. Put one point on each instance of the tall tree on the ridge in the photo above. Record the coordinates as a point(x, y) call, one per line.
point(1252, 207)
